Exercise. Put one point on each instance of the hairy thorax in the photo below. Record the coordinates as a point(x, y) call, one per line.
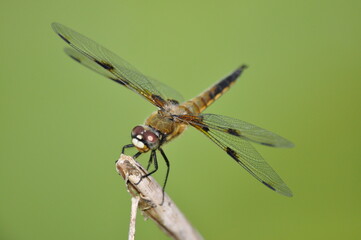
point(164, 122)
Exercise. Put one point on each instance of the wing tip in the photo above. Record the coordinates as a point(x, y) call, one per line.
point(73, 54)
point(284, 144)
point(283, 190)
point(289, 193)
point(59, 30)
point(288, 144)
point(55, 26)
point(286, 191)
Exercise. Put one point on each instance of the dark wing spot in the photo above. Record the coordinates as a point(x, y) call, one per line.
point(233, 132)
point(172, 101)
point(232, 153)
point(268, 144)
point(118, 81)
point(158, 100)
point(157, 97)
point(105, 65)
point(268, 185)
point(206, 129)
point(75, 58)
point(64, 38)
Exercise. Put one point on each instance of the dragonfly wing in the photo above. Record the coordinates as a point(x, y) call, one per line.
point(85, 61)
point(110, 65)
point(240, 150)
point(245, 130)
point(166, 91)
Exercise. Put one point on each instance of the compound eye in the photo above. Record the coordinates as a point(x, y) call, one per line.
point(150, 137)
point(138, 130)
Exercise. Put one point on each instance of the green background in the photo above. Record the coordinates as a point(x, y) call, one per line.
point(62, 126)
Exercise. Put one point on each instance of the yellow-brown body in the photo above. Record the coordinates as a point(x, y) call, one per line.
point(164, 120)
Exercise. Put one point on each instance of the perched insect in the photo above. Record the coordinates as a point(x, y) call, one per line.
point(173, 116)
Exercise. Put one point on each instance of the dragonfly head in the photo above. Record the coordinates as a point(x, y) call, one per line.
point(145, 138)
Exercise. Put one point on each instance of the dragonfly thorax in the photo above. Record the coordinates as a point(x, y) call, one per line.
point(145, 138)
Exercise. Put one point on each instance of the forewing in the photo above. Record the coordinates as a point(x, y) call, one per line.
point(242, 152)
point(108, 64)
point(245, 130)
point(87, 62)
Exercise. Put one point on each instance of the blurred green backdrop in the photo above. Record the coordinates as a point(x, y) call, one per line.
point(62, 126)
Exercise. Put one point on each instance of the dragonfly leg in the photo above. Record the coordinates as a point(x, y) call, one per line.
point(168, 169)
point(136, 155)
point(150, 161)
point(153, 156)
point(127, 146)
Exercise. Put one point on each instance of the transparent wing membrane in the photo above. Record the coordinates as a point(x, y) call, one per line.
point(245, 130)
point(108, 64)
point(85, 61)
point(227, 134)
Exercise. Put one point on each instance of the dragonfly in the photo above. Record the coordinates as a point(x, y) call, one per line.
point(173, 115)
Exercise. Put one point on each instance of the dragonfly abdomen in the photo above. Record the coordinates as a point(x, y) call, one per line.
point(199, 103)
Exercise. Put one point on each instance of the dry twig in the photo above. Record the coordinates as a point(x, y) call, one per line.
point(167, 216)
point(133, 217)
